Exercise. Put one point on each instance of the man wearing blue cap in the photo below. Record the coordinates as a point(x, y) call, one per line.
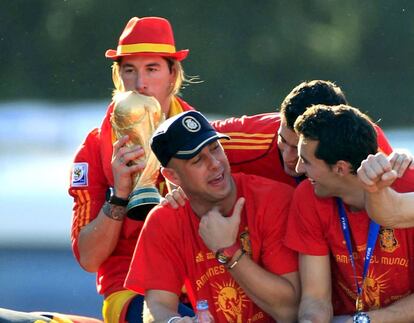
point(225, 244)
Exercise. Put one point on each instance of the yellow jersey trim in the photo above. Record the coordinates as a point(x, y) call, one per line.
point(251, 141)
point(249, 135)
point(227, 147)
point(175, 107)
point(114, 304)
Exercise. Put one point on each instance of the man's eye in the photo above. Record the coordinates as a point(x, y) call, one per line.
point(196, 160)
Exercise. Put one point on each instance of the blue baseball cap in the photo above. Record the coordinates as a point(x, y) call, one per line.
point(183, 136)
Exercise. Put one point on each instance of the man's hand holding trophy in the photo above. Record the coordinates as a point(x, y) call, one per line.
point(137, 116)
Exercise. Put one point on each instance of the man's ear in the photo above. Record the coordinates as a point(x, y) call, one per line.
point(342, 168)
point(171, 175)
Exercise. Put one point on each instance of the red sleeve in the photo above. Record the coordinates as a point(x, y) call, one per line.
point(305, 232)
point(87, 186)
point(405, 183)
point(275, 224)
point(383, 143)
point(157, 262)
point(253, 148)
point(252, 137)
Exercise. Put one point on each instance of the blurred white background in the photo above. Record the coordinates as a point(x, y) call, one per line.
point(37, 268)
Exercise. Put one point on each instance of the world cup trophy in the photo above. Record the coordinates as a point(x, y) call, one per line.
point(138, 116)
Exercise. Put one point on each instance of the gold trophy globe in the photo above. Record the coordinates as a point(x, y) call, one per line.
point(138, 116)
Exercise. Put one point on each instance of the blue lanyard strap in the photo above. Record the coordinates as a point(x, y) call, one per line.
point(371, 240)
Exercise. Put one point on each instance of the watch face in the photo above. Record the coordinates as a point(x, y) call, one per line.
point(361, 318)
point(222, 258)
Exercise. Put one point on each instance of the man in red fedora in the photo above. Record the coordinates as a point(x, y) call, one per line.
point(103, 237)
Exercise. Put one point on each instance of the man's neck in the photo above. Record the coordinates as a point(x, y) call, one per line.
point(166, 106)
point(201, 206)
point(352, 194)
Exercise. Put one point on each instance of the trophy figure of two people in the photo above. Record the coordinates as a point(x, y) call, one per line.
point(138, 116)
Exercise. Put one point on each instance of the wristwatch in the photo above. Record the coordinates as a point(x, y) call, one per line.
point(224, 255)
point(115, 200)
point(361, 317)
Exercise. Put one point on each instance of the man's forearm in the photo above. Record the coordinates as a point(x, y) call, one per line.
point(97, 240)
point(276, 295)
point(158, 313)
point(391, 209)
point(399, 312)
point(161, 307)
point(314, 311)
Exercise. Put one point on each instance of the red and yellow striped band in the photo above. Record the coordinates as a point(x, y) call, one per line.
point(145, 47)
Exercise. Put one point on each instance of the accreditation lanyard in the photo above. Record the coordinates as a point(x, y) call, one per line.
point(371, 240)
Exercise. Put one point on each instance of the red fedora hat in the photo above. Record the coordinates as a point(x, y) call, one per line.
point(147, 36)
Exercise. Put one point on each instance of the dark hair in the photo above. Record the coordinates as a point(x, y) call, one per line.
point(307, 94)
point(342, 132)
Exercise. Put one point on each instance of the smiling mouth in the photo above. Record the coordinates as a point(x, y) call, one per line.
point(217, 179)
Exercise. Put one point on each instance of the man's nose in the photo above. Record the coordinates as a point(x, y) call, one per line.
point(299, 167)
point(214, 162)
point(290, 154)
point(140, 84)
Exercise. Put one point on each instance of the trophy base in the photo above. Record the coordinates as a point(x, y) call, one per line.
point(141, 201)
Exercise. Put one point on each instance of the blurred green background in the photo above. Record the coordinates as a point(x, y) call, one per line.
point(249, 54)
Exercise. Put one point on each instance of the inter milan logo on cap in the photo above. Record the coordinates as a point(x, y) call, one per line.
point(191, 124)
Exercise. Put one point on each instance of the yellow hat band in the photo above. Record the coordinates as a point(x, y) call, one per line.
point(145, 47)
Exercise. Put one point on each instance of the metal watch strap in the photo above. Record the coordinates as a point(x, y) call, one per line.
point(113, 211)
point(224, 255)
point(173, 318)
point(234, 263)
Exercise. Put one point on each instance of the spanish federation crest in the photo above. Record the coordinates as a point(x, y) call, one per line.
point(80, 174)
point(245, 241)
point(191, 124)
point(387, 240)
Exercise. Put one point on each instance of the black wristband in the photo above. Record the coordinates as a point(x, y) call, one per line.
point(115, 200)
